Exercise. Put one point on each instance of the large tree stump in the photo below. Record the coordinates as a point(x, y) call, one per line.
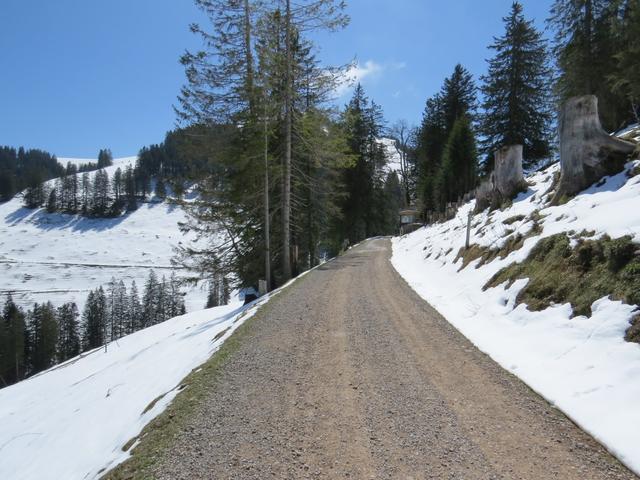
point(587, 152)
point(505, 181)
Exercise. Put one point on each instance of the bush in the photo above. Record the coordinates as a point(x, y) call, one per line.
point(619, 252)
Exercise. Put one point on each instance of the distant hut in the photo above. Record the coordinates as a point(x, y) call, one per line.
point(409, 220)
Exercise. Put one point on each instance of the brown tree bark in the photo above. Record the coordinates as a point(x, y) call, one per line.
point(587, 152)
point(505, 181)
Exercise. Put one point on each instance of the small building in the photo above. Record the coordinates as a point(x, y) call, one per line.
point(409, 220)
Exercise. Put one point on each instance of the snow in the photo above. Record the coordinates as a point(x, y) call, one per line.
point(59, 257)
point(581, 365)
point(392, 154)
point(72, 421)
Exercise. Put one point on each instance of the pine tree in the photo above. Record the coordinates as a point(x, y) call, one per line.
point(117, 185)
point(134, 314)
point(13, 334)
point(101, 198)
point(44, 328)
point(130, 189)
point(176, 299)
point(430, 141)
point(456, 99)
point(94, 320)
point(117, 305)
point(86, 192)
point(365, 177)
point(105, 159)
point(517, 105)
point(624, 77)
point(52, 201)
point(224, 88)
point(458, 172)
point(585, 49)
point(34, 195)
point(161, 190)
point(68, 331)
point(162, 300)
point(150, 298)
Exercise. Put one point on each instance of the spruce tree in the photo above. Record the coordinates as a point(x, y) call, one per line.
point(101, 197)
point(94, 320)
point(130, 189)
point(44, 334)
point(625, 75)
point(12, 351)
point(161, 189)
point(364, 178)
point(150, 299)
point(68, 331)
point(86, 192)
point(458, 172)
point(176, 299)
point(456, 100)
point(585, 47)
point(226, 89)
point(105, 159)
point(134, 313)
point(517, 104)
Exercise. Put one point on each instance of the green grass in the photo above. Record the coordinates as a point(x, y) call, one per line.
point(593, 269)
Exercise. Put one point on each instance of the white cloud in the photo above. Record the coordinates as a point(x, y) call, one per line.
point(357, 73)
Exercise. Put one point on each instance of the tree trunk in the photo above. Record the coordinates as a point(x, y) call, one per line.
point(505, 181)
point(248, 55)
point(286, 194)
point(267, 228)
point(587, 152)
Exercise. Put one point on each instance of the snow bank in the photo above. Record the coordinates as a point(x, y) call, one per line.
point(72, 421)
point(581, 365)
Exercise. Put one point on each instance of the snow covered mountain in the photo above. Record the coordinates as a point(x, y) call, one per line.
point(59, 257)
point(582, 365)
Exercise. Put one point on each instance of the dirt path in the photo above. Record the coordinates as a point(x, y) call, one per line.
point(351, 374)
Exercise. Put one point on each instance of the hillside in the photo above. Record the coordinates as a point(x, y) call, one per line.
point(79, 418)
point(581, 364)
point(59, 257)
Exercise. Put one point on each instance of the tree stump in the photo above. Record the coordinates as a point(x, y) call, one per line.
point(505, 181)
point(587, 152)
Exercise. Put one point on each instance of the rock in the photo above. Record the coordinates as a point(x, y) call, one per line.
point(587, 152)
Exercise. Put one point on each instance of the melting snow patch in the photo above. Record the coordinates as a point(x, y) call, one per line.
point(581, 365)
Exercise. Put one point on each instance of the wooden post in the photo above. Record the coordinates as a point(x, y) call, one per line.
point(469, 217)
point(262, 287)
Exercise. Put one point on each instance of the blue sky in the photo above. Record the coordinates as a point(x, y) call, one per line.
point(80, 75)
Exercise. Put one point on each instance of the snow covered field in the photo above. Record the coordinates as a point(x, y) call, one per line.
point(72, 421)
point(61, 257)
point(581, 365)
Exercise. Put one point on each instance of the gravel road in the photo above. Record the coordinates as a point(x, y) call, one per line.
point(349, 374)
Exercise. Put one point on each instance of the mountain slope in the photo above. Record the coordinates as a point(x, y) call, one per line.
point(59, 257)
point(581, 364)
point(78, 418)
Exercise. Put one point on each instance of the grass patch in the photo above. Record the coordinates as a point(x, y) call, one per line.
point(513, 243)
point(633, 332)
point(159, 434)
point(514, 219)
point(593, 269)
